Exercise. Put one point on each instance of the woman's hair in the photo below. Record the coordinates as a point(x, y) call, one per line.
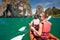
point(45, 15)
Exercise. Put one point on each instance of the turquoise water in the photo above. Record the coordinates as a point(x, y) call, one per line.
point(55, 29)
point(9, 27)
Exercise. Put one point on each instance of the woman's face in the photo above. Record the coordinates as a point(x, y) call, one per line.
point(41, 17)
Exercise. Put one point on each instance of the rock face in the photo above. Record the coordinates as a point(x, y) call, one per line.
point(39, 10)
point(19, 8)
point(53, 11)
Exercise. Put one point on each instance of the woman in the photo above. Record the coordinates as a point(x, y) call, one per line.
point(44, 28)
point(46, 25)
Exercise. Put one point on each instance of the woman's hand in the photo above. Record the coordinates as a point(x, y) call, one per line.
point(33, 28)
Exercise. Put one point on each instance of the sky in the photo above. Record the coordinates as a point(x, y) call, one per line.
point(44, 3)
point(0, 2)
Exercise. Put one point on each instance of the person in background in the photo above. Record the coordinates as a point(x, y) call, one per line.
point(34, 25)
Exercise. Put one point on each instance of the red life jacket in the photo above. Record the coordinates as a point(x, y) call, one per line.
point(45, 29)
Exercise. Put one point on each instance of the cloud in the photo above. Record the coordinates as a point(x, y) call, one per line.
point(48, 3)
point(34, 11)
point(44, 9)
point(45, 5)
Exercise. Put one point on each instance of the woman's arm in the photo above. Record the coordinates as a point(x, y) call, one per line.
point(40, 30)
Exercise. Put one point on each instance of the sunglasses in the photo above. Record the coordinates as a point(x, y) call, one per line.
point(40, 16)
